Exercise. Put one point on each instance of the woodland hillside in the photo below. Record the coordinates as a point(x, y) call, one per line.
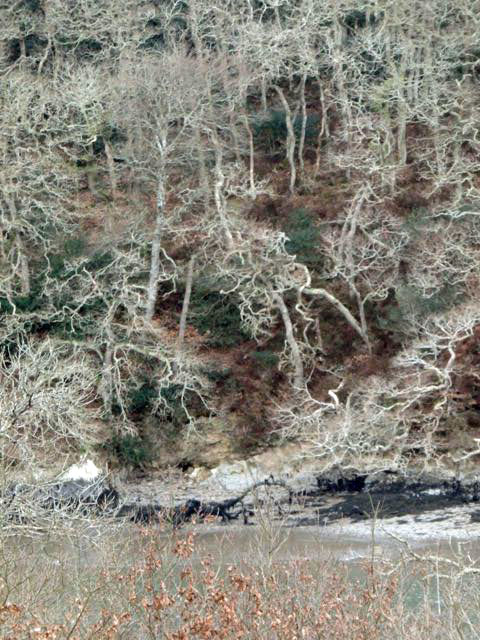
point(260, 217)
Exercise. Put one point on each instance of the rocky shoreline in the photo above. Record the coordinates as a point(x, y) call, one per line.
point(350, 499)
point(406, 503)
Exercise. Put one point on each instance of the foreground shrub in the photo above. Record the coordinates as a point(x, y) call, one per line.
point(162, 586)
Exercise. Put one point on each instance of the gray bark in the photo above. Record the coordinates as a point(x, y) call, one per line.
point(290, 139)
point(186, 304)
point(111, 169)
point(340, 307)
point(303, 107)
point(156, 246)
point(298, 380)
point(152, 290)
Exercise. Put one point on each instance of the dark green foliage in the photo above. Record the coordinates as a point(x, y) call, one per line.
point(28, 303)
point(265, 359)
point(217, 376)
point(270, 131)
point(62, 265)
point(464, 65)
point(129, 450)
point(32, 6)
point(99, 260)
point(304, 238)
point(173, 403)
point(141, 398)
point(373, 66)
point(357, 19)
point(410, 299)
point(391, 319)
point(440, 301)
point(107, 132)
point(72, 248)
point(86, 49)
point(34, 46)
point(25, 304)
point(57, 266)
point(176, 401)
point(217, 316)
point(224, 378)
point(155, 42)
point(265, 12)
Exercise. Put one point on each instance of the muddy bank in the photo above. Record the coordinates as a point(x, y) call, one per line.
point(409, 504)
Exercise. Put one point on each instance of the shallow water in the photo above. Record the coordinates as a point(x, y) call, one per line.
point(343, 541)
point(338, 543)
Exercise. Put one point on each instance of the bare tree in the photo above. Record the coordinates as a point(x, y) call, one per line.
point(36, 377)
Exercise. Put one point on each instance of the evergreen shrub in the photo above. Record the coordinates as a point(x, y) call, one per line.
point(130, 450)
point(217, 316)
point(304, 238)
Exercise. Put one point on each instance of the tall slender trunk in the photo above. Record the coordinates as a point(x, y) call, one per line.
point(251, 148)
point(106, 382)
point(25, 284)
point(303, 109)
point(324, 128)
point(202, 170)
point(152, 291)
point(290, 139)
point(186, 304)
point(24, 268)
point(263, 94)
point(363, 319)
point(402, 129)
point(219, 195)
point(91, 171)
point(111, 169)
point(298, 378)
point(48, 48)
point(156, 246)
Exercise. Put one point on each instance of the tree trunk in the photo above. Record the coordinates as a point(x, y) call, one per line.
point(152, 291)
point(342, 308)
point(219, 196)
point(156, 246)
point(25, 285)
point(263, 94)
point(202, 170)
point(111, 169)
point(106, 384)
point(186, 304)
point(303, 108)
point(253, 191)
point(298, 380)
point(290, 139)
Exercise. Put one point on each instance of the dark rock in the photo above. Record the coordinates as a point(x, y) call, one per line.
point(337, 480)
